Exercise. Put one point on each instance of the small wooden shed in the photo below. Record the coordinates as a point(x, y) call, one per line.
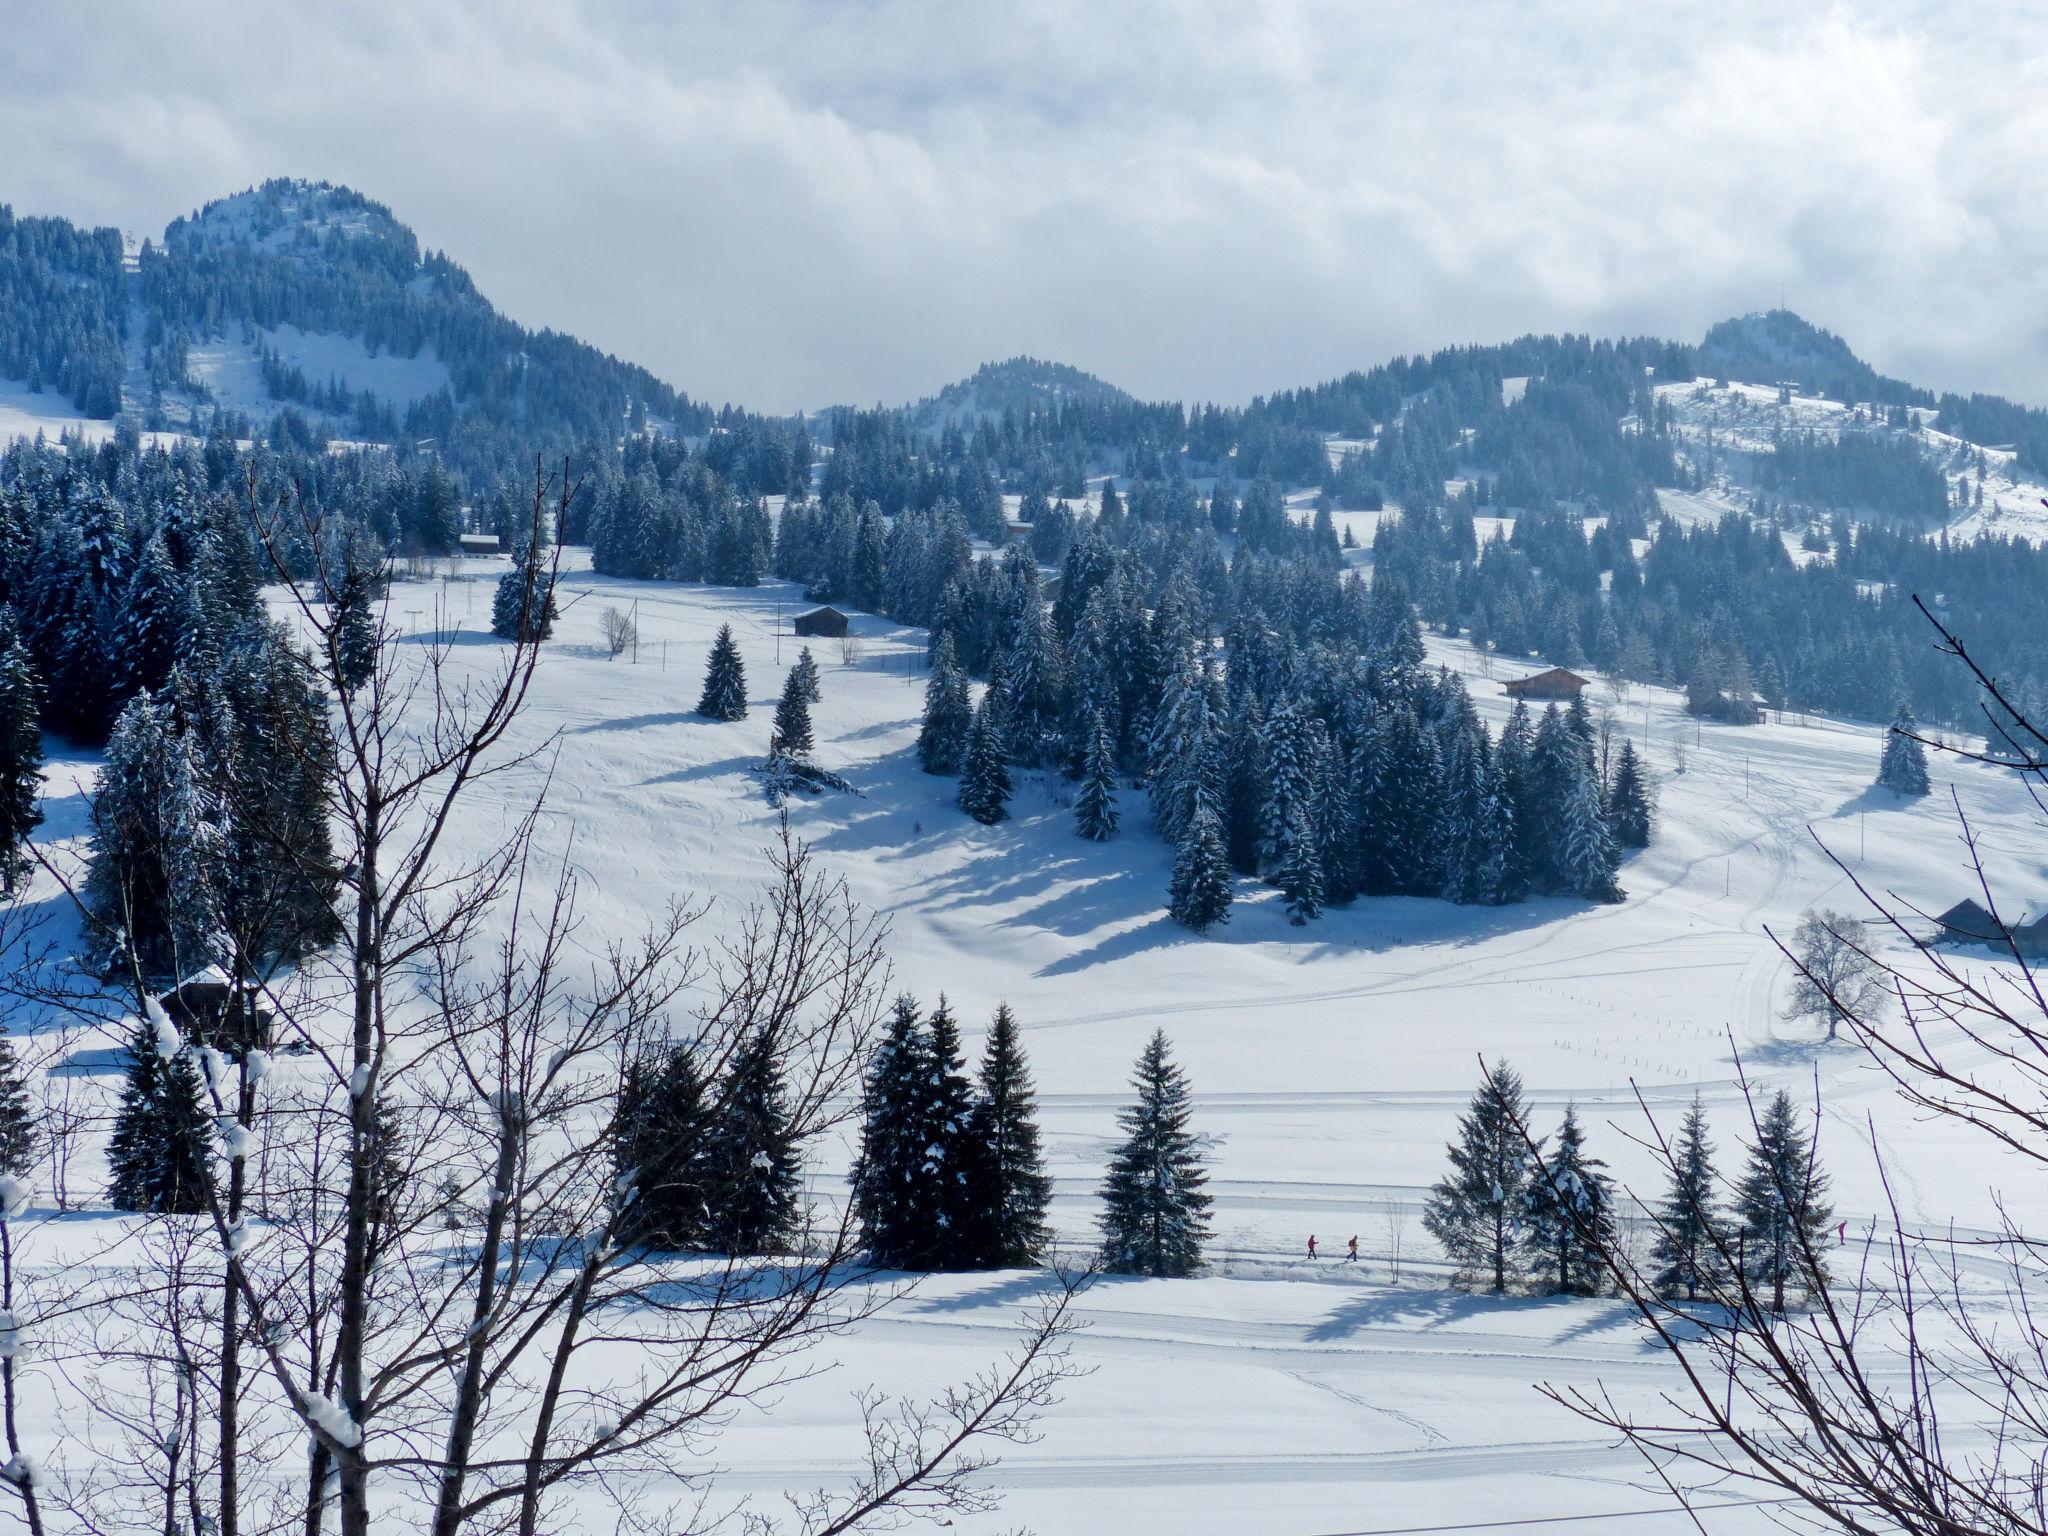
point(481, 544)
point(1556, 683)
point(827, 621)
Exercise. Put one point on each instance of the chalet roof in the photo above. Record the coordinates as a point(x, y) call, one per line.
point(1968, 919)
point(820, 611)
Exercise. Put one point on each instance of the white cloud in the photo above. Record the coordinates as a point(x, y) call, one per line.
point(790, 204)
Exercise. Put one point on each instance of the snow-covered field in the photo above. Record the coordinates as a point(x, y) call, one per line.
point(1273, 1396)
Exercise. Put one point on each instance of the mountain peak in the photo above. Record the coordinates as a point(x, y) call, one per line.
point(1777, 346)
point(1016, 383)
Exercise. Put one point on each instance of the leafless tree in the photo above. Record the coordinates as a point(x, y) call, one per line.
point(1838, 977)
point(619, 630)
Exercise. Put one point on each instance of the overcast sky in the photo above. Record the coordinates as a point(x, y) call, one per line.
point(790, 205)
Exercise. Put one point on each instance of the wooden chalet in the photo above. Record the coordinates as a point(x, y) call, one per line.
point(1556, 683)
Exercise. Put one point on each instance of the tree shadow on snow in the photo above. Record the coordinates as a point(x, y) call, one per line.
point(1872, 797)
point(1415, 1310)
point(1015, 1288)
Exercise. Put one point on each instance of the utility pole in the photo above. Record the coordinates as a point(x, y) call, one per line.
point(636, 631)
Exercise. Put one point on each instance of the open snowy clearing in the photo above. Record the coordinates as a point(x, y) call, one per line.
point(1329, 1062)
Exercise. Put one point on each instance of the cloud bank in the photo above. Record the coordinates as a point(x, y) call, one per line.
point(789, 205)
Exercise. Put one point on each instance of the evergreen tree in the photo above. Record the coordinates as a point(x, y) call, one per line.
point(1155, 1211)
point(751, 1163)
point(1780, 1205)
point(20, 1138)
point(807, 673)
point(21, 754)
point(948, 713)
point(523, 607)
point(151, 886)
point(1301, 871)
point(158, 1154)
point(659, 1152)
point(1631, 809)
point(1571, 1215)
point(891, 1201)
point(725, 680)
point(790, 736)
point(1903, 768)
point(1575, 853)
point(1199, 897)
point(1686, 1254)
point(355, 637)
point(985, 772)
point(1095, 812)
point(1014, 1189)
point(156, 619)
point(949, 1173)
point(1477, 1211)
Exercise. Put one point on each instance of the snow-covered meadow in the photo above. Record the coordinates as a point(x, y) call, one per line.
point(1273, 1395)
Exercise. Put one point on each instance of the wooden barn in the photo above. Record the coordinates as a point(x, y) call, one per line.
point(1967, 922)
point(827, 621)
point(481, 544)
point(1556, 683)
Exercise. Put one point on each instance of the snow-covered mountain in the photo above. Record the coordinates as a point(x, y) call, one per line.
point(301, 297)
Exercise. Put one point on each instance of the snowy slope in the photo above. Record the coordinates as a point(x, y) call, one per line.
point(1725, 430)
point(1329, 1064)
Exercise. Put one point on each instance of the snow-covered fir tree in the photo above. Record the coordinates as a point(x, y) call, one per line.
point(1903, 767)
point(1012, 1189)
point(790, 735)
point(1631, 805)
point(1289, 774)
point(523, 607)
point(1571, 1215)
point(1183, 759)
point(1687, 1254)
point(157, 619)
point(889, 1194)
point(949, 1173)
point(659, 1138)
point(21, 753)
point(1781, 1207)
point(985, 768)
point(159, 1155)
point(156, 849)
point(1155, 1208)
point(725, 680)
point(1479, 1210)
point(1035, 684)
point(948, 713)
point(1575, 852)
point(1300, 875)
point(1095, 808)
point(806, 670)
point(751, 1161)
point(1199, 896)
point(353, 597)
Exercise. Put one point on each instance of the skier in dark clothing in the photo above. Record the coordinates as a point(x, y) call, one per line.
point(1311, 1245)
point(1352, 1256)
